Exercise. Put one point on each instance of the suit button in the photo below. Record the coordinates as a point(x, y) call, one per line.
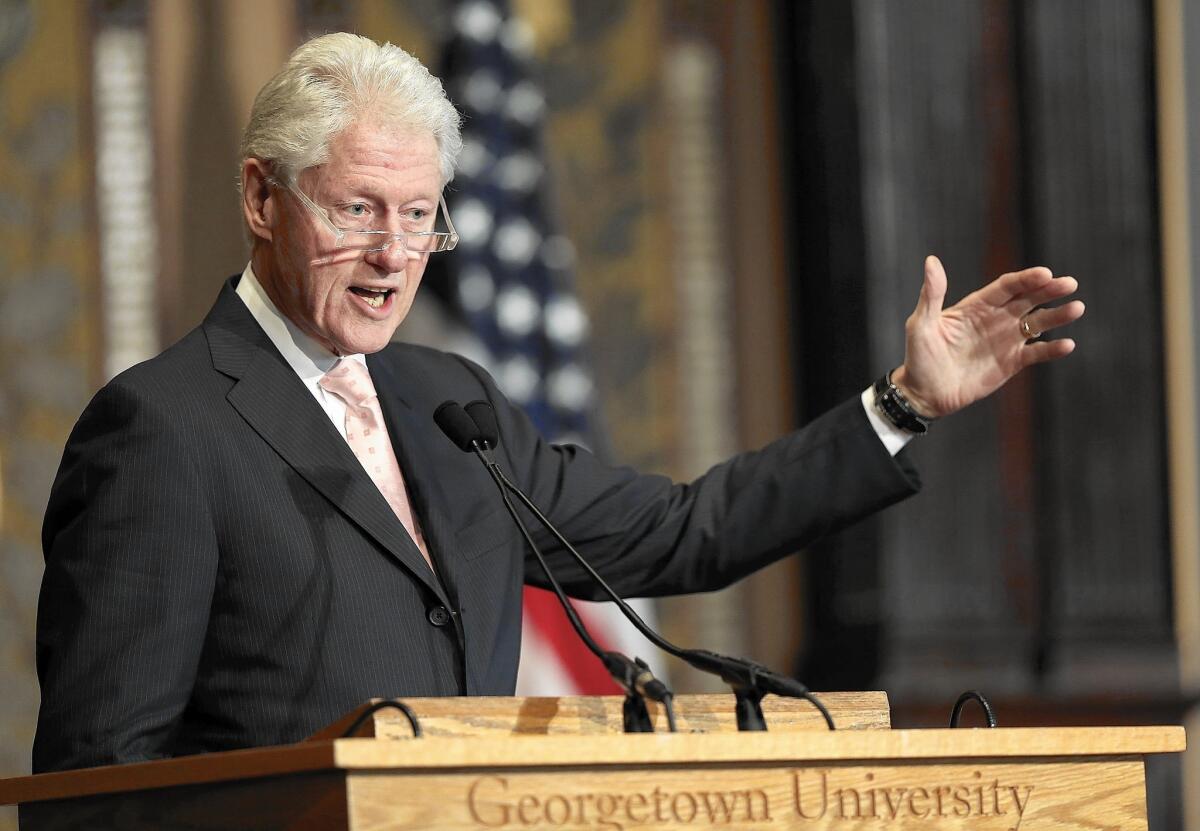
point(438, 615)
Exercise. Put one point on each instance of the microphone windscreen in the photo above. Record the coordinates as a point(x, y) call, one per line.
point(484, 417)
point(456, 424)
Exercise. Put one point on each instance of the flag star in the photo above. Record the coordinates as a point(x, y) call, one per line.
point(518, 378)
point(569, 388)
point(483, 91)
point(565, 321)
point(474, 159)
point(479, 21)
point(516, 242)
point(473, 221)
point(476, 288)
point(517, 311)
point(519, 172)
point(525, 103)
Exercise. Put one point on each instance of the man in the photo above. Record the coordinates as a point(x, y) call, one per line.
point(261, 528)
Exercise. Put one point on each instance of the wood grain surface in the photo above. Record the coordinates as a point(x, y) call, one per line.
point(1004, 778)
point(645, 751)
point(918, 746)
point(1002, 796)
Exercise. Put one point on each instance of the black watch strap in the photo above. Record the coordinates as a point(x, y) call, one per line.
point(894, 407)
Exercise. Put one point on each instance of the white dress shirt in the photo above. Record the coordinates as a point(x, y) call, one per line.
point(893, 437)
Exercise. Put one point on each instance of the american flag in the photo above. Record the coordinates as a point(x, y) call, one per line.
point(511, 282)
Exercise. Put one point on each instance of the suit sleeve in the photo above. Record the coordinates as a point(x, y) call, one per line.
point(131, 561)
point(651, 536)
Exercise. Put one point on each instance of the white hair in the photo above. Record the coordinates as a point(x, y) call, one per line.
point(328, 84)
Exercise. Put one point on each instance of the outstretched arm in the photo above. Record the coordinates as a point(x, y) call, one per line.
point(955, 356)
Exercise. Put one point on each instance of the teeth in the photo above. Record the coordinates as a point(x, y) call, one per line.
point(372, 297)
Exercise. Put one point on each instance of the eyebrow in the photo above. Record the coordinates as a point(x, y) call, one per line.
point(355, 191)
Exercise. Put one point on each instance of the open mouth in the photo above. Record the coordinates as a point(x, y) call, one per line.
point(375, 298)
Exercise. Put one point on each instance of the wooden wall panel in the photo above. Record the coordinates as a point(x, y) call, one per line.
point(1036, 564)
point(952, 605)
point(204, 79)
point(996, 134)
point(1101, 442)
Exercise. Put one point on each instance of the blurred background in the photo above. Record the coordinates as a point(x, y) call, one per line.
point(734, 199)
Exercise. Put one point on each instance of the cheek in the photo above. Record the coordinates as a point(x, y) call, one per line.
point(404, 300)
point(414, 273)
point(319, 292)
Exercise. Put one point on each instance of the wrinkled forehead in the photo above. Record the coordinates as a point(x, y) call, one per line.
point(383, 155)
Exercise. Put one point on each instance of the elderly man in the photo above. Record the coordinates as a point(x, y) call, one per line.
point(261, 528)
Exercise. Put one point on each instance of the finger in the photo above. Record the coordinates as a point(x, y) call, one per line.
point(1056, 289)
point(1045, 320)
point(1046, 350)
point(933, 289)
point(1007, 286)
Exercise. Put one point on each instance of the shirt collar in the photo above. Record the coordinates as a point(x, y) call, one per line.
point(305, 356)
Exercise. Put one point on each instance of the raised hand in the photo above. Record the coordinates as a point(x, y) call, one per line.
point(953, 357)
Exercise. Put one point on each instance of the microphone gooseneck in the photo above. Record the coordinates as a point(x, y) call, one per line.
point(462, 426)
point(749, 680)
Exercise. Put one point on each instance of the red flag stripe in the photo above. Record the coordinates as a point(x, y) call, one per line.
point(547, 617)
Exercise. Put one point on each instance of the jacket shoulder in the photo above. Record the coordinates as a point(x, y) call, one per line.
point(437, 368)
point(181, 373)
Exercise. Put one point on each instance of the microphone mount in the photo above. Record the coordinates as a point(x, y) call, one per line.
point(462, 427)
point(748, 680)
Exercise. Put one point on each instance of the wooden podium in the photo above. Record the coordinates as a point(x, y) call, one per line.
point(564, 763)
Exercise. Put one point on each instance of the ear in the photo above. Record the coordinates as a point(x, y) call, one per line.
point(259, 206)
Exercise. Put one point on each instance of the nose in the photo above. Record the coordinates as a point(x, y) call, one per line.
point(393, 259)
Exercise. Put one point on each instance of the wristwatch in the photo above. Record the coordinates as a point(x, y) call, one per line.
point(893, 406)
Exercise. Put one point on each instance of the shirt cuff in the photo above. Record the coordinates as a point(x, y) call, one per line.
point(893, 437)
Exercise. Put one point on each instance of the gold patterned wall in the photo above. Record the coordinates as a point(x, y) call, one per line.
point(48, 314)
point(601, 73)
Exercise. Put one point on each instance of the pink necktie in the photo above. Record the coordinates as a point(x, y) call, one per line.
point(368, 438)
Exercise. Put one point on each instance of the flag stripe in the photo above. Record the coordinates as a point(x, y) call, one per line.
point(550, 621)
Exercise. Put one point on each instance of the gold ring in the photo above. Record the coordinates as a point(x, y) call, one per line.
point(1027, 330)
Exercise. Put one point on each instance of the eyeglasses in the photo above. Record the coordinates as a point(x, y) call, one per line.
point(417, 241)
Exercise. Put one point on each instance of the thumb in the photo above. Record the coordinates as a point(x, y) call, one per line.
point(933, 290)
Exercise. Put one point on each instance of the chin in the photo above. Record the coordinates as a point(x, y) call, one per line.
point(367, 343)
point(364, 346)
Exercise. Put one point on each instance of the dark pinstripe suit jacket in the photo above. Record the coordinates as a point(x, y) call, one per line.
point(221, 572)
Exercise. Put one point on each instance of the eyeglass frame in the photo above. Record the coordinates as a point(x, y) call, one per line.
point(451, 235)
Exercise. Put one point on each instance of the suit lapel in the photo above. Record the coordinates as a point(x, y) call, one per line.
point(274, 402)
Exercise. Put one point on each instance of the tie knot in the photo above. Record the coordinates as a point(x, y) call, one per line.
point(349, 381)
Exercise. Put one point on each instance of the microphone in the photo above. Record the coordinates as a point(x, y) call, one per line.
point(461, 425)
point(457, 425)
point(484, 417)
point(749, 681)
